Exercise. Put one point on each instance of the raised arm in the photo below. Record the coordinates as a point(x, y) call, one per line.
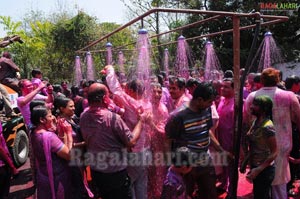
point(28, 98)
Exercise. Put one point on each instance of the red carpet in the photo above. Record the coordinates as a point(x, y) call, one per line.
point(244, 188)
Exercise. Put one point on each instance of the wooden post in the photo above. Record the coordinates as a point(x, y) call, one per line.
point(237, 97)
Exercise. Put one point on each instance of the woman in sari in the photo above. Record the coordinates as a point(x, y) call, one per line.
point(51, 157)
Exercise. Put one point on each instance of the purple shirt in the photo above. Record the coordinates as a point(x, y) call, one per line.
point(106, 136)
point(25, 110)
point(37, 147)
point(52, 173)
point(131, 106)
point(174, 187)
point(225, 127)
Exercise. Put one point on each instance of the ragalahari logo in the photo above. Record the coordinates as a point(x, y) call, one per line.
point(279, 6)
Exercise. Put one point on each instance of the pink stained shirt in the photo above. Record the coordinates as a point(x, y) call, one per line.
point(25, 110)
point(225, 127)
point(131, 107)
point(106, 136)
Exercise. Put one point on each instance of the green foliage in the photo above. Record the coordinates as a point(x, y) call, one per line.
point(284, 33)
point(50, 42)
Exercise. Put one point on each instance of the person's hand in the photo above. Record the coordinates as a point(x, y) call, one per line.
point(294, 161)
point(253, 174)
point(63, 127)
point(144, 116)
point(41, 85)
point(105, 69)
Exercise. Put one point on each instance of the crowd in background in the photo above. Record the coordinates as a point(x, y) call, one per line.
point(122, 135)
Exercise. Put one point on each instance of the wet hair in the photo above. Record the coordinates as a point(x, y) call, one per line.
point(205, 90)
point(57, 88)
point(160, 79)
point(265, 103)
point(179, 81)
point(37, 113)
point(60, 102)
point(182, 157)
point(35, 72)
point(136, 86)
point(229, 80)
point(256, 78)
point(269, 77)
point(291, 80)
point(163, 73)
point(35, 103)
point(155, 85)
point(191, 82)
point(75, 90)
point(228, 74)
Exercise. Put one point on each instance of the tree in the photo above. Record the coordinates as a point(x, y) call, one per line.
point(157, 23)
point(284, 33)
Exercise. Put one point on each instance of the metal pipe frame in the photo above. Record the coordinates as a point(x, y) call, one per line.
point(275, 19)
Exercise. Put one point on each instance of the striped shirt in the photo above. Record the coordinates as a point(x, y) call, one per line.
point(190, 129)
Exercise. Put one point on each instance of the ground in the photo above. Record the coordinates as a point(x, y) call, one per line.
point(22, 186)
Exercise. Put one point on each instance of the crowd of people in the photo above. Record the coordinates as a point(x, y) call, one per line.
point(109, 139)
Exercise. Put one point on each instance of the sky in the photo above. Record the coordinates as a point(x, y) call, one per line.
point(104, 10)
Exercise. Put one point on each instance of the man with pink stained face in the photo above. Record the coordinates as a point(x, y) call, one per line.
point(286, 109)
point(178, 93)
point(225, 130)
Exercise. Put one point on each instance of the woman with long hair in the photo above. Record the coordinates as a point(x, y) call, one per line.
point(262, 147)
point(68, 129)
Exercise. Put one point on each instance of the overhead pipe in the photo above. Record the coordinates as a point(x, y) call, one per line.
point(179, 28)
point(188, 11)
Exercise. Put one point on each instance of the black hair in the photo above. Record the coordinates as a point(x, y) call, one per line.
point(60, 102)
point(160, 79)
point(290, 80)
point(75, 90)
point(57, 88)
point(192, 82)
point(136, 86)
point(35, 72)
point(179, 81)
point(229, 80)
point(37, 113)
point(228, 74)
point(205, 90)
point(35, 103)
point(6, 55)
point(256, 78)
